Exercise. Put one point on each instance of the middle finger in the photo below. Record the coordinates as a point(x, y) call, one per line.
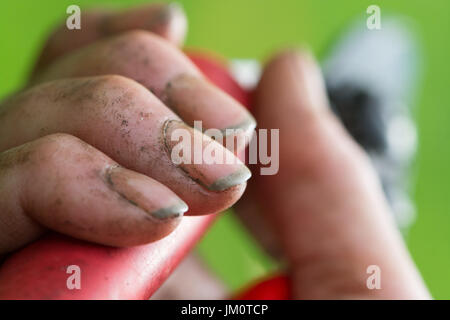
point(125, 121)
point(162, 69)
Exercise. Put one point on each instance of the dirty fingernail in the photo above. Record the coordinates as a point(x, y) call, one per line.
point(204, 160)
point(194, 98)
point(235, 178)
point(143, 192)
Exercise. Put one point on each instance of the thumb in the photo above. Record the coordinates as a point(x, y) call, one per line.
point(325, 205)
point(166, 20)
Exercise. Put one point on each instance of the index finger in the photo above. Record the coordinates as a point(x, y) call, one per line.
point(164, 19)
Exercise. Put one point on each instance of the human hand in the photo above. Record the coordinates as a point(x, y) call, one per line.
point(85, 149)
point(324, 213)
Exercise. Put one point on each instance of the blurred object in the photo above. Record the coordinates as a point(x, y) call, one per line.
point(246, 72)
point(370, 76)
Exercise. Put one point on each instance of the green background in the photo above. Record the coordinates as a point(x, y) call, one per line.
point(252, 29)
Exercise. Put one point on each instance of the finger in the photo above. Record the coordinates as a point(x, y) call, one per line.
point(79, 191)
point(163, 19)
point(325, 204)
point(128, 123)
point(166, 72)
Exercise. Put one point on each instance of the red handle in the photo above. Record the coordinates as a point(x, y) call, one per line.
point(39, 271)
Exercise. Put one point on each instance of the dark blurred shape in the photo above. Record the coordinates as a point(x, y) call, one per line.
point(359, 111)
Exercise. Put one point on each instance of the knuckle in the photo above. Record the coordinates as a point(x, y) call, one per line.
point(58, 140)
point(50, 149)
point(135, 53)
point(39, 153)
point(108, 93)
point(136, 38)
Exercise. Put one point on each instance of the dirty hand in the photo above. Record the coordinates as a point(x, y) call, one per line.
point(85, 148)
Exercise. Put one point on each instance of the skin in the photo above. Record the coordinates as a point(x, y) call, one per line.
point(324, 214)
point(325, 207)
point(86, 149)
point(163, 70)
point(87, 156)
point(167, 21)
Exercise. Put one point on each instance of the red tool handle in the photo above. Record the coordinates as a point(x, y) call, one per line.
point(39, 271)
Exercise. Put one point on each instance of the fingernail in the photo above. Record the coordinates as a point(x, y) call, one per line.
point(171, 211)
point(147, 194)
point(235, 178)
point(169, 21)
point(236, 138)
point(306, 71)
point(228, 171)
point(194, 98)
point(165, 19)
